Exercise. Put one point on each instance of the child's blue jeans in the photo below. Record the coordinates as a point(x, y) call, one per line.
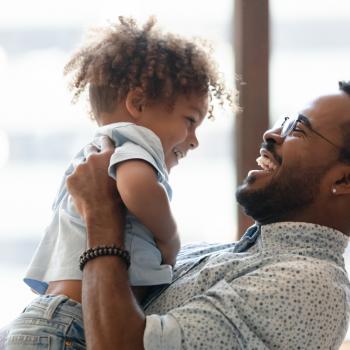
point(49, 322)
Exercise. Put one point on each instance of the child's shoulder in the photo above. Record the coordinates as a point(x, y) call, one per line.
point(108, 128)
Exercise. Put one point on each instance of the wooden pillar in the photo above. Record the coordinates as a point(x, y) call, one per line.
point(251, 48)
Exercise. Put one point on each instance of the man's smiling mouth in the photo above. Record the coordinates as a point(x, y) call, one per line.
point(266, 161)
point(266, 164)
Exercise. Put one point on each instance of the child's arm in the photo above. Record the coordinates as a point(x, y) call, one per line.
point(147, 199)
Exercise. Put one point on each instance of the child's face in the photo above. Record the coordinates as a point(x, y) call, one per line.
point(176, 127)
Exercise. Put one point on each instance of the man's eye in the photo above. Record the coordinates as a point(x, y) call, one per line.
point(297, 129)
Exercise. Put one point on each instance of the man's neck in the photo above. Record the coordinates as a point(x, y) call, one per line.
point(319, 216)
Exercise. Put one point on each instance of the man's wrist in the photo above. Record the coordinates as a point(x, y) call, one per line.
point(103, 250)
point(104, 227)
point(103, 235)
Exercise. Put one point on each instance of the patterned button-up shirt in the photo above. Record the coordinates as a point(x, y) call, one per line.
point(281, 287)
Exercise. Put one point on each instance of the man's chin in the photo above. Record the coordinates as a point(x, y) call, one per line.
point(243, 191)
point(272, 200)
point(255, 195)
point(251, 201)
point(247, 184)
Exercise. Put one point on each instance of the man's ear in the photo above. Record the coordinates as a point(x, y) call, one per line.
point(135, 102)
point(341, 182)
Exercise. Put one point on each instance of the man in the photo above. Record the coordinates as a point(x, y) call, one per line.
point(282, 286)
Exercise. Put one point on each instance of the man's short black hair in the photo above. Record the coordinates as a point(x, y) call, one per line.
point(344, 155)
point(344, 86)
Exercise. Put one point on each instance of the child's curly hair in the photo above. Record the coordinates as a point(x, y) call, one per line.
point(123, 57)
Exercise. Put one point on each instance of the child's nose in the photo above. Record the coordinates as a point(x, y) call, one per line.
point(194, 142)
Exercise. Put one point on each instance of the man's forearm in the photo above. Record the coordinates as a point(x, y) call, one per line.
point(112, 318)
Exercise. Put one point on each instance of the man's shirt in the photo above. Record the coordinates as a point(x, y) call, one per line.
point(283, 286)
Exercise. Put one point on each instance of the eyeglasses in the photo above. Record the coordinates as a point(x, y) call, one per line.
point(288, 125)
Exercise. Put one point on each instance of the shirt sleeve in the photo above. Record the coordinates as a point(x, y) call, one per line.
point(200, 324)
point(282, 306)
point(162, 332)
point(128, 151)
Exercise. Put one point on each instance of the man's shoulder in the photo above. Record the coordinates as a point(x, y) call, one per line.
point(307, 268)
point(201, 249)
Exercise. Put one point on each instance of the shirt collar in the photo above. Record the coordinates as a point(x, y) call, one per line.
point(303, 236)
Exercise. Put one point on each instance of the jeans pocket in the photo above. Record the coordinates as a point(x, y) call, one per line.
point(27, 342)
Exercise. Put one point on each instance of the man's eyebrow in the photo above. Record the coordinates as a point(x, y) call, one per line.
point(305, 120)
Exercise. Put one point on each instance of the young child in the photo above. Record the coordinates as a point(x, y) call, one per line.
point(148, 92)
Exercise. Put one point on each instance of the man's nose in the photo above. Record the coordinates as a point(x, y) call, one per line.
point(274, 135)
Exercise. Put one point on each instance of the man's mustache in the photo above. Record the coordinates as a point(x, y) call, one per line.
point(270, 147)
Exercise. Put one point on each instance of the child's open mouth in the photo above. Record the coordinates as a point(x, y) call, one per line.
point(179, 154)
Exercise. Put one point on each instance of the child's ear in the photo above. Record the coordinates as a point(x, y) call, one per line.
point(135, 102)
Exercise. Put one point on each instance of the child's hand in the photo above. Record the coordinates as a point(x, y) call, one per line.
point(169, 250)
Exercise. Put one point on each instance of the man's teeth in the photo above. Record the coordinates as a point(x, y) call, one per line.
point(266, 164)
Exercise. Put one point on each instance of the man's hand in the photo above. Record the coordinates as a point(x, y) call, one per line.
point(90, 184)
point(95, 195)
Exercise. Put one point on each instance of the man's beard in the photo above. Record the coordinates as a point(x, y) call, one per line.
point(283, 198)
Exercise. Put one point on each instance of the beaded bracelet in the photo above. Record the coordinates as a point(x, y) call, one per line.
point(93, 253)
